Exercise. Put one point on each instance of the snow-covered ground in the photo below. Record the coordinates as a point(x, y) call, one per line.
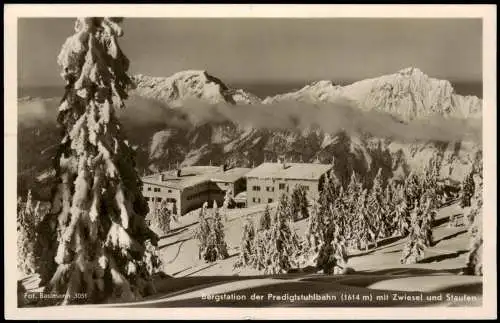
point(379, 279)
point(377, 272)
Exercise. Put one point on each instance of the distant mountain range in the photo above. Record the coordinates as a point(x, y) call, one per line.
point(395, 122)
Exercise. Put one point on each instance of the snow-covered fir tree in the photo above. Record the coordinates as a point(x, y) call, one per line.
point(401, 213)
point(96, 232)
point(354, 189)
point(428, 215)
point(375, 207)
point(285, 207)
point(228, 203)
point(474, 264)
point(283, 242)
point(412, 188)
point(265, 219)
point(203, 231)
point(332, 257)
point(161, 217)
point(314, 233)
point(363, 230)
point(261, 240)
point(304, 203)
point(28, 216)
point(389, 208)
point(228, 199)
point(260, 260)
point(295, 203)
point(216, 247)
point(326, 202)
point(414, 248)
point(430, 181)
point(299, 203)
point(467, 190)
point(247, 247)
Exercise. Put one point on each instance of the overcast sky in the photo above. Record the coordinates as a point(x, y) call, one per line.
point(271, 50)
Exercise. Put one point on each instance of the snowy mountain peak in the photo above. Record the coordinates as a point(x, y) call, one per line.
point(407, 94)
point(190, 84)
point(411, 71)
point(319, 91)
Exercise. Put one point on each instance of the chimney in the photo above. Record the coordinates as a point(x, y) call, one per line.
point(284, 163)
point(178, 172)
point(160, 177)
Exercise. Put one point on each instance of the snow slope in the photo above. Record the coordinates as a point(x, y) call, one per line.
point(377, 273)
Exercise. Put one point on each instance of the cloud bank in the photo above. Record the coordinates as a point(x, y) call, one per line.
point(341, 115)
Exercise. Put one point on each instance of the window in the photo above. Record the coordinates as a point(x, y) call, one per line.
point(170, 191)
point(267, 188)
point(256, 188)
point(253, 200)
point(149, 188)
point(269, 200)
point(158, 199)
point(281, 186)
point(147, 198)
point(258, 200)
point(306, 187)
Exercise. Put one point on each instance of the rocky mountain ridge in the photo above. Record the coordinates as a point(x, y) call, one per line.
point(408, 95)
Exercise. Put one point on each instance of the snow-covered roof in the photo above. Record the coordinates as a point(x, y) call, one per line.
point(231, 175)
point(305, 171)
point(194, 175)
point(177, 183)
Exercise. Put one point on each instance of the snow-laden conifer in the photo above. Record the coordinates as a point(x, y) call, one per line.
point(247, 247)
point(96, 232)
point(265, 219)
point(283, 243)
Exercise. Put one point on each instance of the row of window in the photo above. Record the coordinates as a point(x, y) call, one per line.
point(153, 199)
point(157, 189)
point(159, 199)
point(281, 186)
point(258, 200)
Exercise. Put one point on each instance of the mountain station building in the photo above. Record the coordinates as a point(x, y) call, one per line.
point(267, 182)
point(188, 188)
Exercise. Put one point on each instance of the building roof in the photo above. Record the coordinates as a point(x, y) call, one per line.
point(305, 171)
point(194, 175)
point(231, 175)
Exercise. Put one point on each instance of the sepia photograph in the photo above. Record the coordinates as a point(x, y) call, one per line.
point(249, 161)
